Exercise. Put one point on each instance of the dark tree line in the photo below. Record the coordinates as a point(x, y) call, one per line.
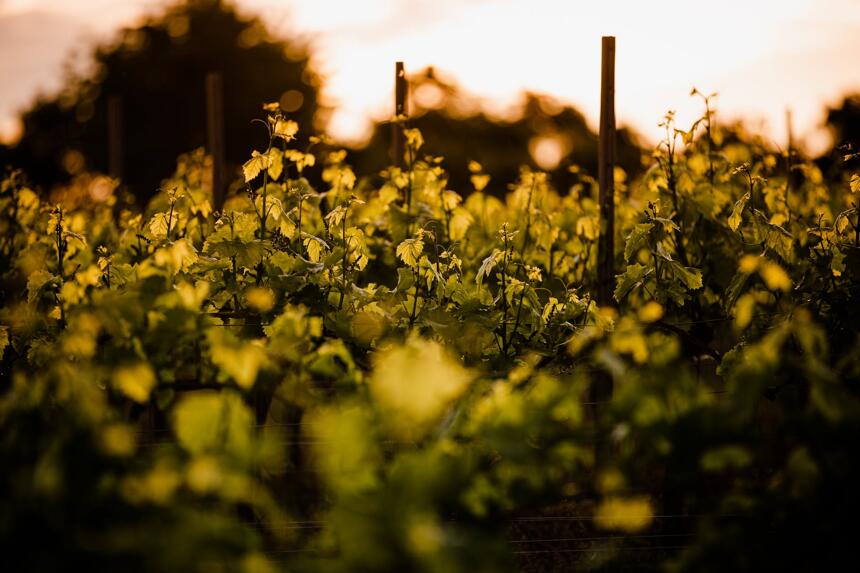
point(159, 67)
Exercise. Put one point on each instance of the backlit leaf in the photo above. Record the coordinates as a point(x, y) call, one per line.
point(630, 279)
point(253, 166)
point(410, 250)
point(414, 383)
point(737, 212)
point(637, 239)
point(628, 514)
point(285, 129)
point(136, 381)
point(774, 276)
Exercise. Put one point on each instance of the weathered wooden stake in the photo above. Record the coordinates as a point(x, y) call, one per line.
point(600, 391)
point(606, 176)
point(400, 88)
point(115, 128)
point(215, 129)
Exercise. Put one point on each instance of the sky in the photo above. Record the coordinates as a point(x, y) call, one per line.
point(761, 56)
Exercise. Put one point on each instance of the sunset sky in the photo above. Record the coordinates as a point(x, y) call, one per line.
point(761, 56)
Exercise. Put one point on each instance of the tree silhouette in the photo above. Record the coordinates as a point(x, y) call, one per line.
point(158, 69)
point(543, 134)
point(844, 120)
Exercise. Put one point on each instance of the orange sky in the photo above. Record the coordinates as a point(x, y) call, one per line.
point(762, 56)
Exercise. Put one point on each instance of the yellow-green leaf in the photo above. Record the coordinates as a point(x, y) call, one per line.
point(414, 383)
point(158, 225)
point(335, 217)
point(314, 248)
point(637, 239)
point(774, 276)
point(136, 381)
point(409, 251)
point(414, 139)
point(276, 163)
point(4, 339)
point(210, 421)
point(253, 166)
point(737, 212)
point(35, 282)
point(261, 299)
point(450, 200)
point(629, 514)
point(479, 181)
point(286, 129)
point(652, 311)
point(744, 308)
point(237, 359)
point(178, 256)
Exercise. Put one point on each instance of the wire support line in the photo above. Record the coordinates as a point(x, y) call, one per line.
point(601, 549)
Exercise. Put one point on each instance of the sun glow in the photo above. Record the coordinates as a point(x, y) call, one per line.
point(762, 57)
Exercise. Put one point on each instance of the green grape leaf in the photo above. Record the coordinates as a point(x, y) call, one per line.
point(314, 246)
point(632, 278)
point(734, 289)
point(301, 160)
point(177, 256)
point(36, 282)
point(251, 169)
point(737, 212)
point(780, 241)
point(237, 359)
point(276, 162)
point(409, 251)
point(136, 381)
point(637, 239)
point(236, 240)
point(335, 216)
point(211, 422)
point(158, 225)
point(285, 129)
point(486, 266)
point(405, 279)
point(692, 278)
point(413, 384)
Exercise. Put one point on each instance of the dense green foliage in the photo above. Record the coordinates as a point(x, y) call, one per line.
point(361, 378)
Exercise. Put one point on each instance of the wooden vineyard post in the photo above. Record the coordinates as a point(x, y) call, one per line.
point(601, 386)
point(215, 131)
point(789, 159)
point(397, 139)
point(115, 127)
point(606, 175)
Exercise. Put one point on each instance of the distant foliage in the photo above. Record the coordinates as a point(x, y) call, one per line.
point(540, 132)
point(360, 377)
point(159, 68)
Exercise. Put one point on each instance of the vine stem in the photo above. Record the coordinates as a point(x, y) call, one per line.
point(414, 299)
point(301, 200)
point(61, 253)
point(503, 293)
point(409, 192)
point(344, 260)
point(529, 214)
point(517, 319)
point(857, 226)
